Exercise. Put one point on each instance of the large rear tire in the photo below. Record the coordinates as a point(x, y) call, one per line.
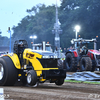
point(8, 72)
point(85, 64)
point(69, 63)
point(89, 64)
point(31, 77)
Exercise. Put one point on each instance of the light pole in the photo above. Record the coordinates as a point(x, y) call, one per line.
point(57, 31)
point(33, 37)
point(0, 32)
point(9, 31)
point(96, 43)
point(77, 29)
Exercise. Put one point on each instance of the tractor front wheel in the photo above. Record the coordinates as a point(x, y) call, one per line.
point(69, 63)
point(59, 82)
point(31, 77)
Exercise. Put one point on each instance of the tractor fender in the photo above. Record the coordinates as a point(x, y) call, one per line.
point(15, 60)
point(68, 52)
point(73, 52)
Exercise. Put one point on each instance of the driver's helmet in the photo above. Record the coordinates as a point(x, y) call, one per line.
point(21, 44)
point(84, 47)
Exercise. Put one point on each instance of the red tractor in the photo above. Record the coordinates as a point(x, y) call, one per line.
point(83, 57)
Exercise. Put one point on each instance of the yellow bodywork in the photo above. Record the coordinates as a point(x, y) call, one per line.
point(30, 56)
point(15, 60)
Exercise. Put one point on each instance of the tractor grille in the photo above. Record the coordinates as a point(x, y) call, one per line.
point(98, 56)
point(48, 63)
point(54, 74)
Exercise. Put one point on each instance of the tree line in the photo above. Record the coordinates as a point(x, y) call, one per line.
point(41, 18)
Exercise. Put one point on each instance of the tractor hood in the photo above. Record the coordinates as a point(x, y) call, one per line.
point(45, 54)
point(94, 52)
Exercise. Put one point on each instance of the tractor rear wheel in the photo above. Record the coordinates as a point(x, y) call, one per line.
point(69, 63)
point(8, 72)
point(31, 77)
point(89, 64)
point(85, 64)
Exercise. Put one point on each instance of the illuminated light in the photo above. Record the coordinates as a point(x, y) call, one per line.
point(19, 75)
point(55, 56)
point(51, 56)
point(77, 28)
point(96, 36)
point(34, 36)
point(45, 57)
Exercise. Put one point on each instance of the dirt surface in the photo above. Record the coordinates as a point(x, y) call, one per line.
point(50, 91)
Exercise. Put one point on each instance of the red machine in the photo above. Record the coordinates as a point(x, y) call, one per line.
point(83, 57)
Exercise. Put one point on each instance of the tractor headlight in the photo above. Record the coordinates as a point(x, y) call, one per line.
point(49, 56)
point(55, 56)
point(45, 57)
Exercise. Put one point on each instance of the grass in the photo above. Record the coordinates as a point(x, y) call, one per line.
point(86, 82)
point(73, 81)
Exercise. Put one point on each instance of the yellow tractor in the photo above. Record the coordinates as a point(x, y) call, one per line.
point(29, 66)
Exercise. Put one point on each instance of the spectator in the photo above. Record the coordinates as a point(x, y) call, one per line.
point(64, 50)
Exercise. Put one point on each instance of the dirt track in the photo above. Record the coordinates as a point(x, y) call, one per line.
point(49, 91)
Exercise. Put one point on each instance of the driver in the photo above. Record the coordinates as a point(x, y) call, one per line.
point(83, 50)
